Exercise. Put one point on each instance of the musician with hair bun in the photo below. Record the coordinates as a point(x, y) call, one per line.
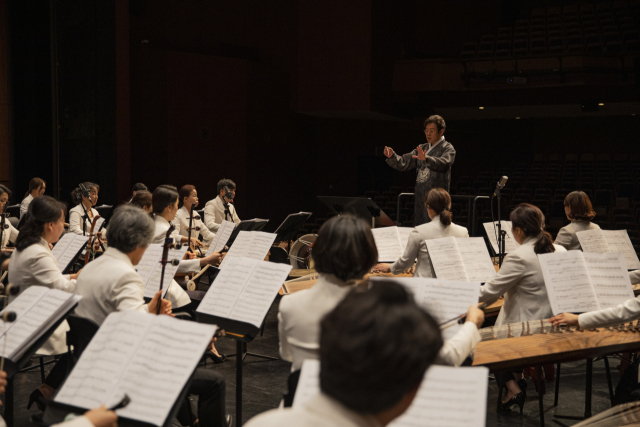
point(188, 197)
point(10, 233)
point(521, 282)
point(143, 199)
point(83, 212)
point(438, 204)
point(36, 188)
point(579, 211)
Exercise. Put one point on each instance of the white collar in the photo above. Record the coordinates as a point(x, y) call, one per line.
point(437, 142)
point(116, 253)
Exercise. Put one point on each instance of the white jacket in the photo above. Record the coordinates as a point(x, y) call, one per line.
point(214, 214)
point(417, 248)
point(625, 312)
point(9, 235)
point(36, 266)
point(24, 205)
point(567, 235)
point(75, 220)
point(521, 282)
point(181, 222)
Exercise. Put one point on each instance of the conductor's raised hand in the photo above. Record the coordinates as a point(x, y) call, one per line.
point(102, 417)
point(421, 154)
point(567, 318)
point(388, 151)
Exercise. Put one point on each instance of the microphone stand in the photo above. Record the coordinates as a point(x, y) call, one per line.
point(2, 227)
point(501, 233)
point(190, 224)
point(84, 219)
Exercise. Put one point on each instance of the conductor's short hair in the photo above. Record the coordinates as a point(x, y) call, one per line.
point(375, 347)
point(225, 182)
point(437, 120)
point(345, 248)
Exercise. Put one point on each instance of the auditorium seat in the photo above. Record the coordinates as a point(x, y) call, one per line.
point(625, 226)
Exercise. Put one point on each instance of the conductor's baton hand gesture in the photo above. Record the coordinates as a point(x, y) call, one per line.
point(421, 154)
point(388, 151)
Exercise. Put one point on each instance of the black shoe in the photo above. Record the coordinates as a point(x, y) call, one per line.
point(522, 383)
point(37, 397)
point(216, 359)
point(518, 399)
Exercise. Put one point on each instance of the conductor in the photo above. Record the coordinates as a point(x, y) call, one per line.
point(432, 161)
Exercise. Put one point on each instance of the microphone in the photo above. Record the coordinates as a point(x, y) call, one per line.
point(500, 185)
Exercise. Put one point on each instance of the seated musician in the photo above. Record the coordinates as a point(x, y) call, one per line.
point(111, 284)
point(143, 199)
point(9, 234)
point(343, 253)
point(521, 282)
point(137, 187)
point(83, 212)
point(438, 203)
point(221, 208)
point(36, 188)
point(33, 264)
point(375, 347)
point(188, 197)
point(577, 207)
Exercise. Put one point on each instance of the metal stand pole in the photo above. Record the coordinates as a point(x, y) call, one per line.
point(239, 347)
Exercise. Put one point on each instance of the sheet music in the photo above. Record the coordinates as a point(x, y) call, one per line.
point(476, 259)
point(593, 241)
point(308, 384)
point(438, 399)
point(404, 233)
point(568, 283)
point(72, 250)
point(388, 243)
point(446, 259)
point(244, 290)
point(99, 224)
point(221, 238)
point(153, 283)
point(510, 243)
point(250, 244)
point(62, 245)
point(609, 277)
point(149, 261)
point(618, 241)
point(21, 304)
point(129, 355)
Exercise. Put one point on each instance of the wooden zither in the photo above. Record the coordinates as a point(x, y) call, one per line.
point(537, 342)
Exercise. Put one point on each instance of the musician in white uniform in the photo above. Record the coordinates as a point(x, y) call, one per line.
point(77, 213)
point(215, 210)
point(521, 282)
point(438, 203)
point(36, 188)
point(579, 211)
point(33, 264)
point(343, 253)
point(375, 347)
point(188, 197)
point(10, 233)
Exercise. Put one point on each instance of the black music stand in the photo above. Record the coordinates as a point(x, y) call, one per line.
point(104, 211)
point(246, 225)
point(12, 368)
point(362, 207)
point(288, 230)
point(75, 258)
point(243, 333)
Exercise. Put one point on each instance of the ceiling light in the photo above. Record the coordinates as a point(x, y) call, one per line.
point(601, 104)
point(517, 118)
point(481, 108)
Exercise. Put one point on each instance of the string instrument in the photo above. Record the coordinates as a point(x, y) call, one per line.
point(91, 240)
point(8, 316)
point(537, 342)
point(191, 227)
point(168, 244)
point(3, 226)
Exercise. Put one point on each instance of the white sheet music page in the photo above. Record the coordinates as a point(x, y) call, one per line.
point(446, 259)
point(388, 243)
point(260, 244)
point(609, 277)
point(476, 259)
point(618, 241)
point(593, 241)
point(150, 260)
point(438, 400)
point(99, 224)
point(404, 233)
point(72, 251)
point(491, 229)
point(568, 283)
point(61, 246)
point(21, 305)
point(221, 238)
point(225, 290)
point(260, 291)
point(308, 384)
point(153, 283)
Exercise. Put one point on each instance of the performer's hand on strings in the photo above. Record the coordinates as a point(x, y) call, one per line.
point(165, 307)
point(568, 318)
point(102, 417)
point(196, 243)
point(475, 315)
point(75, 276)
point(382, 268)
point(421, 154)
point(388, 151)
point(211, 259)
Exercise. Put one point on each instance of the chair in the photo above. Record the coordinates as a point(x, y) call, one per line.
point(81, 331)
point(625, 226)
point(604, 198)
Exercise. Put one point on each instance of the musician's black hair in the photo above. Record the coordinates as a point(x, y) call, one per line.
point(130, 228)
point(138, 187)
point(440, 201)
point(42, 210)
point(437, 120)
point(4, 189)
point(375, 347)
point(76, 194)
point(224, 182)
point(163, 196)
point(345, 248)
point(530, 220)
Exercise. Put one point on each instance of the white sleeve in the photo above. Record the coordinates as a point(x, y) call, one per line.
point(75, 222)
point(128, 293)
point(625, 312)
point(285, 348)
point(210, 217)
point(563, 238)
point(207, 235)
point(13, 233)
point(46, 271)
point(24, 207)
point(459, 347)
point(76, 422)
point(508, 276)
point(407, 259)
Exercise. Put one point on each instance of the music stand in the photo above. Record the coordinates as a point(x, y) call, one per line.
point(362, 207)
point(104, 211)
point(290, 227)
